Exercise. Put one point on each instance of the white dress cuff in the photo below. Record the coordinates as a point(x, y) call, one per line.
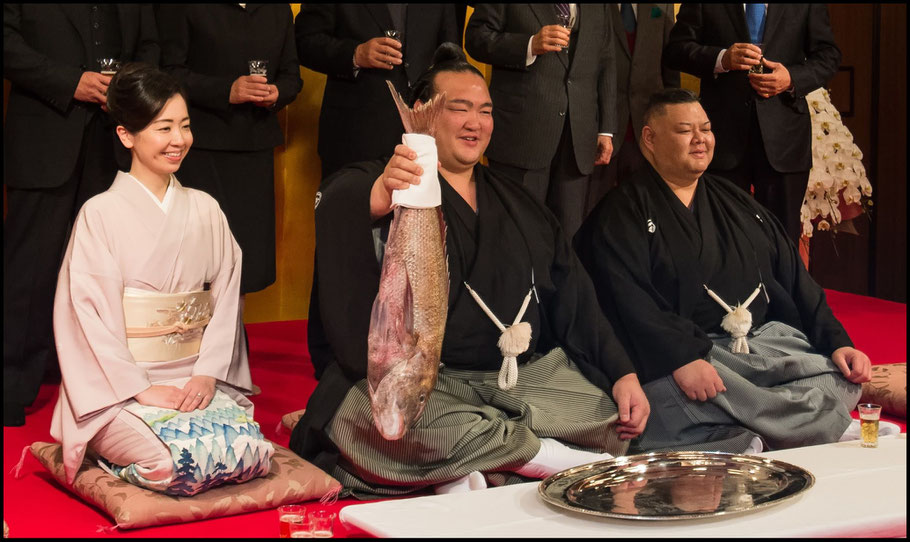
point(530, 57)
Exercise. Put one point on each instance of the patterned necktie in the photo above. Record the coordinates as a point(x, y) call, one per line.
point(628, 17)
point(755, 20)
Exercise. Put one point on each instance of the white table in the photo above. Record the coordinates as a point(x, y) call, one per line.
point(857, 492)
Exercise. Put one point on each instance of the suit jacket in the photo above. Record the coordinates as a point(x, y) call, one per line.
point(530, 102)
point(640, 73)
point(45, 50)
point(358, 120)
point(208, 46)
point(797, 35)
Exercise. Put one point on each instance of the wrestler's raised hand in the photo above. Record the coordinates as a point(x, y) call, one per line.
point(633, 406)
point(855, 365)
point(699, 380)
point(160, 396)
point(400, 172)
point(197, 393)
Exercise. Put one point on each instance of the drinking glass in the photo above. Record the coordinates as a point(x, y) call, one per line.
point(869, 414)
point(287, 515)
point(259, 67)
point(564, 20)
point(109, 66)
point(322, 521)
point(758, 68)
point(394, 34)
point(302, 529)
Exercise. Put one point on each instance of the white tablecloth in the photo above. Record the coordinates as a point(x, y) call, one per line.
point(857, 492)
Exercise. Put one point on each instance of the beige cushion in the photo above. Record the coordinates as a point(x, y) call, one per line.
point(289, 420)
point(290, 480)
point(888, 388)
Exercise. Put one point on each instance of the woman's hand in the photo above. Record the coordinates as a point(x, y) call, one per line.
point(197, 393)
point(160, 396)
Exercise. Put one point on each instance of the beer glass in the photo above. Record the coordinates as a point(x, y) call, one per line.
point(869, 414)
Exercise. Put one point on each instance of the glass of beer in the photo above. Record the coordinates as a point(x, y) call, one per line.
point(869, 414)
point(259, 67)
point(287, 515)
point(109, 66)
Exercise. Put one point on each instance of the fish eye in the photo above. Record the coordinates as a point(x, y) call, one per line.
point(422, 398)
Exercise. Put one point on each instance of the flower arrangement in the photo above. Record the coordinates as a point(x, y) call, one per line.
point(838, 188)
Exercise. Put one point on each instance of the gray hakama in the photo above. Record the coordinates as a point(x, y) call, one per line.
point(469, 424)
point(660, 267)
point(783, 391)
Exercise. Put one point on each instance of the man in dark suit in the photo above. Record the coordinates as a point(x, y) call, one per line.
point(761, 120)
point(555, 95)
point(58, 151)
point(347, 42)
point(234, 113)
point(359, 120)
point(640, 32)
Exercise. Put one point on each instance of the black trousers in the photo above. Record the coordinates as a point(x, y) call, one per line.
point(35, 233)
point(780, 193)
point(560, 185)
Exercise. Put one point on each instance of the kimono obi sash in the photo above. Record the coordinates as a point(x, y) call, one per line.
point(165, 327)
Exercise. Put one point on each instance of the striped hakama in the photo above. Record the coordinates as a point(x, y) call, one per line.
point(783, 391)
point(469, 424)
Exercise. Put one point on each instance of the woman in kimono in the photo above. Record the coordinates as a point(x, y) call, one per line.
point(735, 344)
point(146, 315)
point(577, 398)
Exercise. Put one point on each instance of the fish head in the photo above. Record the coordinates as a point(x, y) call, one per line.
point(400, 397)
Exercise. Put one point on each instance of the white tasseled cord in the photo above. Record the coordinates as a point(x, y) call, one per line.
point(738, 320)
point(514, 340)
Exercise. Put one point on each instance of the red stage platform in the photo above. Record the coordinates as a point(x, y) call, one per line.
point(35, 505)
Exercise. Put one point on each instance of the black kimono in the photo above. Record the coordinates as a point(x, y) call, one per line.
point(510, 241)
point(651, 259)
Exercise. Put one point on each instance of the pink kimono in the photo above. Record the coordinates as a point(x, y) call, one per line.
point(122, 238)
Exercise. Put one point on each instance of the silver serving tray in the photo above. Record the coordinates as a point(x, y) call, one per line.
point(675, 485)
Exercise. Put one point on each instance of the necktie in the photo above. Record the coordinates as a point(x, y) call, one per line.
point(755, 20)
point(397, 12)
point(628, 17)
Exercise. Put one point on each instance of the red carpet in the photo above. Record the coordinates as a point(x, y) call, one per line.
point(35, 505)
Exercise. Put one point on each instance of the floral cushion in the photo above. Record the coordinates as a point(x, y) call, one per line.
point(888, 388)
point(290, 480)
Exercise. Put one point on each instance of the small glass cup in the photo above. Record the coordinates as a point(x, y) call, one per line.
point(322, 521)
point(564, 20)
point(759, 68)
point(394, 34)
point(289, 514)
point(259, 67)
point(869, 414)
point(302, 529)
point(109, 66)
